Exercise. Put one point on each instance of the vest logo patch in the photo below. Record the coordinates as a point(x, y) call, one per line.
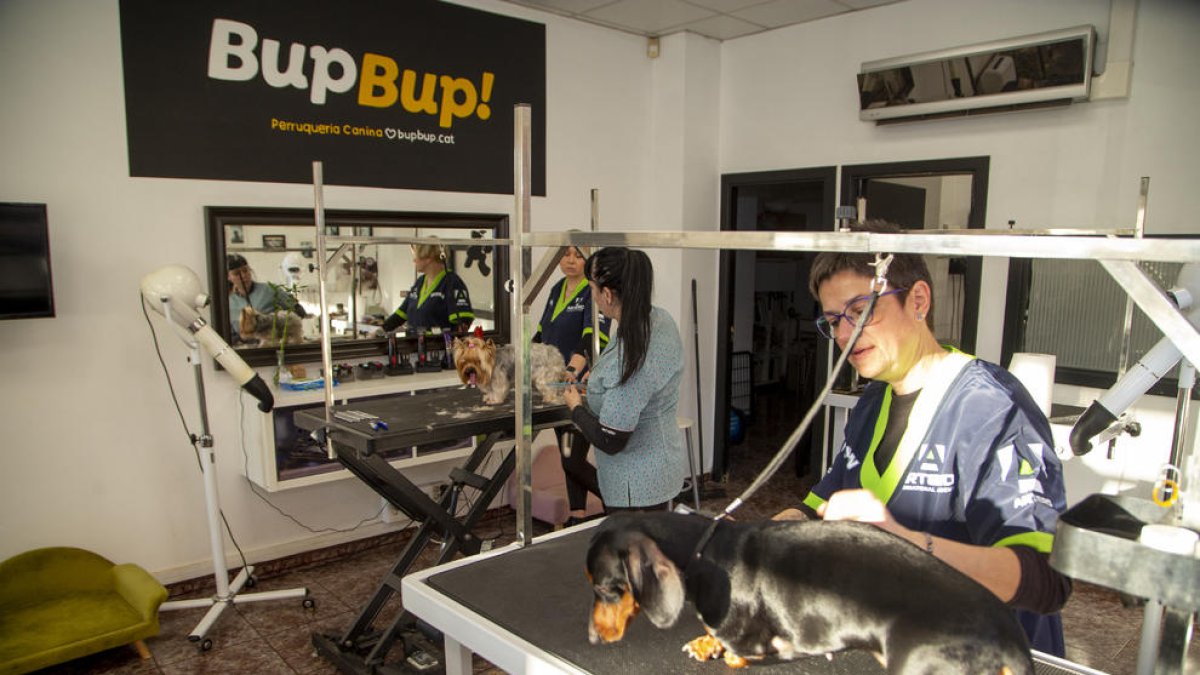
point(851, 460)
point(930, 474)
point(1026, 468)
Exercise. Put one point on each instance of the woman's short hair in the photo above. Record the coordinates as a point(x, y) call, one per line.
point(906, 268)
point(430, 251)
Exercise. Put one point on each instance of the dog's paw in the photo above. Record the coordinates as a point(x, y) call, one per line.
point(704, 648)
point(734, 661)
point(492, 399)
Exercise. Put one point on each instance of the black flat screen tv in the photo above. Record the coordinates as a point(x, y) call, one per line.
point(26, 285)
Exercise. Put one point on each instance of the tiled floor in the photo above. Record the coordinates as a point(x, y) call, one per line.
point(275, 637)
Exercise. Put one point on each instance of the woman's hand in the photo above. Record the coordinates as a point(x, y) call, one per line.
point(864, 506)
point(572, 397)
point(997, 568)
point(790, 514)
point(575, 366)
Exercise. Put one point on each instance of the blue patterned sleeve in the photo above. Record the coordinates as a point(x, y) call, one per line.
point(624, 404)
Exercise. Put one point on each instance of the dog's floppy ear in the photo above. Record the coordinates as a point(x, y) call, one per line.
point(656, 582)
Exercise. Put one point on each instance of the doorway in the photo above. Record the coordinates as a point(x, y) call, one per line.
point(766, 341)
point(941, 194)
point(926, 194)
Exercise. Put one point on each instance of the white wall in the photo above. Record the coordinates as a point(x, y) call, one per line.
point(93, 454)
point(788, 100)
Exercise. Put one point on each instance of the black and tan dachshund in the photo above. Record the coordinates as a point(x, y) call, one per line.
point(782, 590)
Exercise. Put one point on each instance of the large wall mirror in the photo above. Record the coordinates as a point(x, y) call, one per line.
point(365, 281)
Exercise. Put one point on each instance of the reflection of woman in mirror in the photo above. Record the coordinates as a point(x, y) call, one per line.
point(245, 292)
point(438, 298)
point(567, 324)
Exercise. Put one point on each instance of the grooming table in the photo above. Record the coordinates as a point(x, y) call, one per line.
point(428, 417)
point(536, 619)
point(526, 609)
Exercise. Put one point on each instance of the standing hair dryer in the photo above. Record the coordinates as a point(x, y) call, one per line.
point(1152, 367)
point(174, 291)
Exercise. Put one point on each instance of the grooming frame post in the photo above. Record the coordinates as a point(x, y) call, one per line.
point(522, 400)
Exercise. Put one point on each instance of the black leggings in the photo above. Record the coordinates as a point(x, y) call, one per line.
point(652, 507)
point(581, 475)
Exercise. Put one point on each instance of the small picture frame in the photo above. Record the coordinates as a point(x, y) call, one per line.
point(363, 231)
point(274, 242)
point(306, 249)
point(332, 230)
point(236, 235)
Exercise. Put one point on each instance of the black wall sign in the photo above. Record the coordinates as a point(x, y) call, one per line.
point(398, 94)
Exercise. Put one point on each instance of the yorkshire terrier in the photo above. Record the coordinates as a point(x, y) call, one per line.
point(267, 328)
point(482, 364)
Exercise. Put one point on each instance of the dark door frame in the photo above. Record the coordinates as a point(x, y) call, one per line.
point(730, 184)
point(977, 167)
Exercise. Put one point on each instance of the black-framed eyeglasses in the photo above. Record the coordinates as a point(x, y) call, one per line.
point(827, 323)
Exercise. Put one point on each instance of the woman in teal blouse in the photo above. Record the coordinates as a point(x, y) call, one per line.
point(633, 388)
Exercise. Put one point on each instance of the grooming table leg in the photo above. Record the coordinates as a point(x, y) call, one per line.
point(458, 657)
point(434, 517)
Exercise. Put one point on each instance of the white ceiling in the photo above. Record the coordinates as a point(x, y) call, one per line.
point(717, 19)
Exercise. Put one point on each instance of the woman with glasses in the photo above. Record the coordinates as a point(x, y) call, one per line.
point(942, 449)
point(633, 388)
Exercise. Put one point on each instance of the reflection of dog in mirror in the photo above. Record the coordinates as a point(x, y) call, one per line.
point(266, 328)
point(481, 363)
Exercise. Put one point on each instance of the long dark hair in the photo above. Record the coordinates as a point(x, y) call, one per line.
point(629, 275)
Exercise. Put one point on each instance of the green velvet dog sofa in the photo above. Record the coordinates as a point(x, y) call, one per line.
point(58, 604)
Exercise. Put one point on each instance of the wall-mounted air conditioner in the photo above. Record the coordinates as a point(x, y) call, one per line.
point(1053, 68)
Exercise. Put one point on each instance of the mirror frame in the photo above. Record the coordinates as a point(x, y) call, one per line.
point(218, 217)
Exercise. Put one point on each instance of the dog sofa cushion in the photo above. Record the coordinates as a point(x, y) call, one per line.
point(548, 502)
point(61, 603)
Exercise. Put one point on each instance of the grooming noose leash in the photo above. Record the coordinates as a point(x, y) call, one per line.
point(879, 284)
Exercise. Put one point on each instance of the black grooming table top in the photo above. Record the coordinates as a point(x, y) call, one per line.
point(425, 417)
point(540, 594)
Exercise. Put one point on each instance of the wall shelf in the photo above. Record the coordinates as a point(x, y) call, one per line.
point(285, 458)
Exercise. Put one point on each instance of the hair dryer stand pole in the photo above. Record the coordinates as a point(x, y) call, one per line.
point(227, 593)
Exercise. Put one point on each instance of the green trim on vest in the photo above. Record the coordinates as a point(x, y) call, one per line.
point(1042, 542)
point(868, 475)
point(814, 501)
point(427, 288)
point(564, 299)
